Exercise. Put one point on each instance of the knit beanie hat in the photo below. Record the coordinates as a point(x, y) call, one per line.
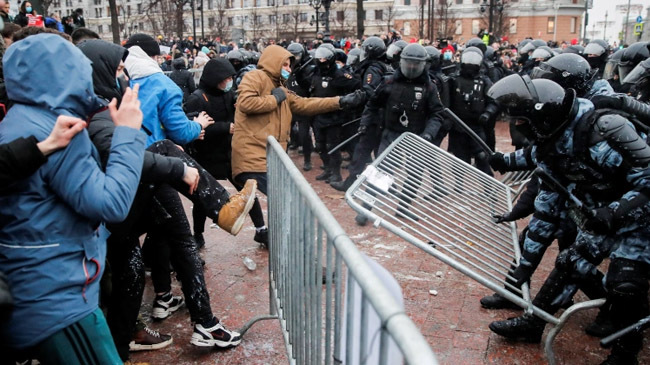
point(146, 42)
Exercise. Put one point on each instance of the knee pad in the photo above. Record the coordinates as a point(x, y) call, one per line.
point(627, 278)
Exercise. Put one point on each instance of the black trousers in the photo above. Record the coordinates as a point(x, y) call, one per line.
point(329, 137)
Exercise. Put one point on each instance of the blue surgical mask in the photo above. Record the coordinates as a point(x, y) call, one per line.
point(448, 56)
point(28, 9)
point(338, 65)
point(117, 82)
point(228, 86)
point(285, 74)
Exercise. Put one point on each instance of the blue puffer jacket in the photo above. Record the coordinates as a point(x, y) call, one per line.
point(52, 242)
point(161, 101)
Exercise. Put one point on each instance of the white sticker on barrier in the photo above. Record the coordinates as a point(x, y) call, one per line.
point(378, 179)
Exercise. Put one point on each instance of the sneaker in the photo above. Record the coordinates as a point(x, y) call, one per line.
point(262, 236)
point(148, 339)
point(233, 214)
point(164, 307)
point(217, 336)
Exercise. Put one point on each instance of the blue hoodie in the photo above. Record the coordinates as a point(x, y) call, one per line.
point(52, 240)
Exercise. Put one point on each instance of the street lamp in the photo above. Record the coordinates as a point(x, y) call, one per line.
point(491, 6)
point(316, 4)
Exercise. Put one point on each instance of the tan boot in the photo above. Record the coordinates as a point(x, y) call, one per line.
point(233, 214)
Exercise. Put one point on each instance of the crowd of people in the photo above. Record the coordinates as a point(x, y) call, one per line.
point(91, 166)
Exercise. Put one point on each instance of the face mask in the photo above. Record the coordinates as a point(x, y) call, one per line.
point(228, 86)
point(285, 74)
point(28, 9)
point(117, 82)
point(447, 56)
point(338, 65)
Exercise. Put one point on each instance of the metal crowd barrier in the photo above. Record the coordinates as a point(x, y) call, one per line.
point(318, 278)
point(444, 206)
point(516, 181)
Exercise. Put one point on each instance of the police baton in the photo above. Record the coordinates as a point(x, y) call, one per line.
point(470, 132)
point(350, 122)
point(637, 327)
point(338, 147)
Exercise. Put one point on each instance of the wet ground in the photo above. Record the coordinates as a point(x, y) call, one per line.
point(452, 321)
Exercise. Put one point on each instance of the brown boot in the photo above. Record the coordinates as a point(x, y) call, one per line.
point(233, 214)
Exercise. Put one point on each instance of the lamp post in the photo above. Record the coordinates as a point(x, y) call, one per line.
point(491, 6)
point(316, 4)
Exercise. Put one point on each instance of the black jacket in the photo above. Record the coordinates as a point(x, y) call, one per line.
point(105, 58)
point(214, 152)
point(18, 160)
point(21, 19)
point(183, 78)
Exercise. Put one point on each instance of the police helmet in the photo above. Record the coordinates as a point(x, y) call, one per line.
point(237, 59)
point(255, 57)
point(394, 50)
point(523, 44)
point(413, 60)
point(478, 43)
point(611, 67)
point(247, 55)
point(632, 56)
point(569, 71)
point(529, 47)
point(491, 54)
point(575, 49)
point(545, 105)
point(373, 48)
point(539, 42)
point(324, 58)
point(641, 71)
point(471, 56)
point(544, 53)
point(354, 57)
point(329, 46)
point(298, 51)
point(596, 47)
point(434, 56)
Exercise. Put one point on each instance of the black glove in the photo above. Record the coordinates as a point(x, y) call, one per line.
point(607, 101)
point(362, 130)
point(427, 137)
point(498, 162)
point(601, 221)
point(279, 94)
point(352, 100)
point(500, 218)
point(484, 118)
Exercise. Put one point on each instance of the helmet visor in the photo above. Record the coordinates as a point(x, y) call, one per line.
point(353, 59)
point(513, 94)
point(541, 53)
point(471, 58)
point(624, 70)
point(641, 70)
point(322, 52)
point(539, 73)
point(392, 51)
point(594, 48)
point(411, 68)
point(610, 70)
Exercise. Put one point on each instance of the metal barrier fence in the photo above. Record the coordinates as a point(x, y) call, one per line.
point(314, 271)
point(444, 206)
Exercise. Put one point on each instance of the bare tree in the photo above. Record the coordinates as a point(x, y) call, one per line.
point(361, 17)
point(294, 17)
point(255, 21)
point(125, 17)
point(391, 14)
point(115, 23)
point(162, 16)
point(343, 21)
point(221, 20)
point(500, 20)
point(446, 18)
point(46, 7)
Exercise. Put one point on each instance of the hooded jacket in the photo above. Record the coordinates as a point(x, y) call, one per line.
point(258, 114)
point(105, 58)
point(183, 78)
point(213, 153)
point(52, 240)
point(161, 101)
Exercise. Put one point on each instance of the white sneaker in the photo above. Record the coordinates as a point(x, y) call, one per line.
point(163, 309)
point(217, 336)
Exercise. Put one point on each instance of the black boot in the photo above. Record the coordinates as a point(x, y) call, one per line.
point(335, 177)
point(324, 175)
point(200, 241)
point(603, 325)
point(625, 351)
point(342, 185)
point(404, 212)
point(306, 166)
point(526, 328)
point(496, 301)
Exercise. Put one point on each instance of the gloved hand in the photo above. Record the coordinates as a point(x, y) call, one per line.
point(427, 137)
point(498, 162)
point(522, 274)
point(484, 118)
point(500, 218)
point(607, 101)
point(352, 100)
point(362, 130)
point(279, 94)
point(601, 221)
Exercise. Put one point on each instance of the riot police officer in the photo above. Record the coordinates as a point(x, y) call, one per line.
point(328, 81)
point(596, 53)
point(300, 83)
point(441, 81)
point(354, 58)
point(470, 102)
point(410, 103)
point(393, 53)
point(605, 162)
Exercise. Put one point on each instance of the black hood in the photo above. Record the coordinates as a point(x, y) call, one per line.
point(105, 58)
point(179, 63)
point(215, 71)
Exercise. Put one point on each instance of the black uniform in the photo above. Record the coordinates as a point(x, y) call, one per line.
point(300, 83)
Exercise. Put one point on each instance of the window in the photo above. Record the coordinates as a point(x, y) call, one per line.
point(128, 10)
point(228, 4)
point(379, 15)
point(273, 19)
point(258, 19)
point(407, 2)
point(286, 18)
point(572, 24)
point(270, 2)
point(303, 17)
point(459, 27)
point(475, 26)
point(210, 4)
point(68, 3)
point(258, 3)
point(340, 16)
point(513, 26)
point(407, 28)
point(231, 21)
point(98, 12)
point(97, 2)
point(140, 8)
point(476, 1)
point(459, 2)
point(211, 22)
point(285, 2)
point(303, 1)
point(100, 29)
point(550, 25)
point(245, 19)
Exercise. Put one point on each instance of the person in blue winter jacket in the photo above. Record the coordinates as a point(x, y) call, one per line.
point(52, 235)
